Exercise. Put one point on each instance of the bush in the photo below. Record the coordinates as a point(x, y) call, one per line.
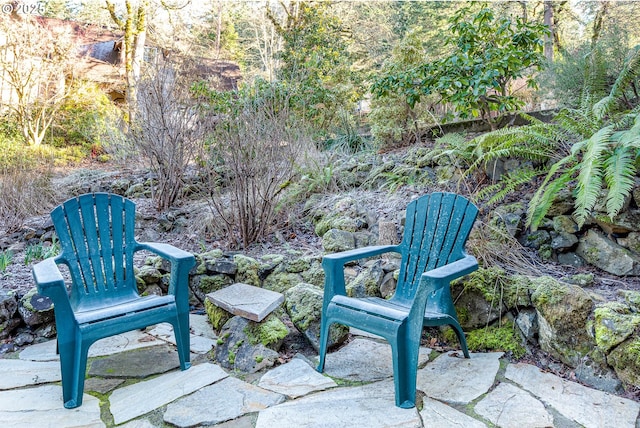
point(25, 183)
point(168, 131)
point(253, 156)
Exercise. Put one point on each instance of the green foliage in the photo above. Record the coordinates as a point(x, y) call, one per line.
point(393, 120)
point(606, 159)
point(316, 63)
point(6, 257)
point(346, 137)
point(485, 54)
point(37, 252)
point(496, 338)
point(83, 118)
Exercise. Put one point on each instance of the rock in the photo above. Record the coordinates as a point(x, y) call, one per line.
point(149, 274)
point(478, 298)
point(632, 242)
point(224, 266)
point(570, 259)
point(248, 301)
point(565, 224)
point(625, 360)
point(613, 324)
point(201, 285)
point(563, 313)
point(562, 204)
point(527, 322)
point(8, 309)
point(248, 270)
point(563, 241)
point(304, 306)
point(537, 239)
point(632, 298)
point(336, 240)
point(216, 316)
point(35, 309)
point(281, 281)
point(599, 251)
point(237, 350)
point(598, 376)
point(367, 283)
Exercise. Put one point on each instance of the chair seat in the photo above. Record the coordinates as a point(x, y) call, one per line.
point(123, 308)
point(373, 305)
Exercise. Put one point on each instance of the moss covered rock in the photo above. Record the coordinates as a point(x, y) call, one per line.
point(216, 315)
point(270, 332)
point(503, 337)
point(248, 270)
point(303, 304)
point(478, 297)
point(613, 324)
point(625, 360)
point(367, 283)
point(238, 350)
point(335, 240)
point(563, 314)
point(281, 281)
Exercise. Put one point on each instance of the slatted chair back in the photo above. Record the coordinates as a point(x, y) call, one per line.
point(96, 233)
point(436, 229)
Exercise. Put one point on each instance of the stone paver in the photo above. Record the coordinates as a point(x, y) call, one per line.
point(295, 379)
point(459, 380)
point(437, 414)
point(365, 360)
point(503, 407)
point(586, 406)
point(371, 406)
point(246, 300)
point(17, 373)
point(42, 407)
point(199, 343)
point(135, 363)
point(140, 398)
point(222, 401)
point(135, 339)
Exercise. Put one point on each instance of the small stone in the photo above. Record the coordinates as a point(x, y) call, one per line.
point(247, 301)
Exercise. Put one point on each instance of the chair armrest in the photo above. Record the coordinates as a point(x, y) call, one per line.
point(181, 263)
point(453, 270)
point(436, 279)
point(51, 284)
point(333, 265)
point(47, 276)
point(167, 251)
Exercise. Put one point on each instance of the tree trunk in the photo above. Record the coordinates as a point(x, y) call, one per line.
point(548, 21)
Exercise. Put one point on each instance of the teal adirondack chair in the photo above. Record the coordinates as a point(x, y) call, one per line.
point(96, 233)
point(432, 249)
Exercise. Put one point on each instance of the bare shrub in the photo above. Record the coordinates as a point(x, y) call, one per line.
point(253, 156)
point(168, 132)
point(25, 185)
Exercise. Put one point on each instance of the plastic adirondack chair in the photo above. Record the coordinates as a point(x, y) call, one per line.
point(96, 233)
point(432, 249)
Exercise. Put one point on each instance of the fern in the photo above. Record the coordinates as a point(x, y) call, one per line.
point(549, 189)
point(618, 175)
point(590, 176)
point(511, 181)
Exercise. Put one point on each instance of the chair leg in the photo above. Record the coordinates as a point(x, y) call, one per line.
point(405, 367)
point(461, 339)
point(73, 366)
point(324, 339)
point(183, 339)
